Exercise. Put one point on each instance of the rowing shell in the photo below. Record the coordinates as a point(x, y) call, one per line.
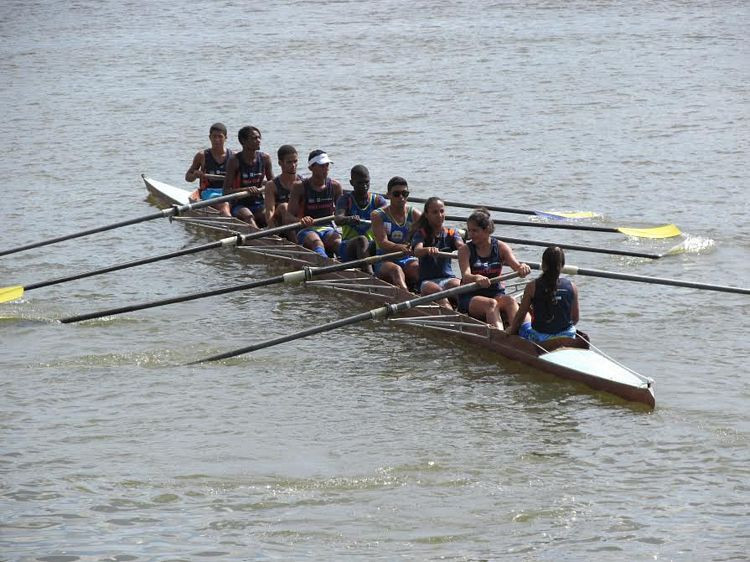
point(585, 365)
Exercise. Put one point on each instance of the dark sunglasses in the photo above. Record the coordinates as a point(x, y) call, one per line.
point(404, 193)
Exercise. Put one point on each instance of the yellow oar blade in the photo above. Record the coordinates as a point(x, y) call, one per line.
point(666, 231)
point(11, 293)
point(566, 215)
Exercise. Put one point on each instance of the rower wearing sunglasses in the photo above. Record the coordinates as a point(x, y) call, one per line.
point(391, 226)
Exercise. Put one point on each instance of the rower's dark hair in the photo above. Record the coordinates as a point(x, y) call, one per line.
point(423, 224)
point(219, 127)
point(553, 261)
point(482, 218)
point(396, 180)
point(285, 150)
point(359, 170)
point(244, 132)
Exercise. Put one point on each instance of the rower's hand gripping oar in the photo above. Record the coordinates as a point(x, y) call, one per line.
point(374, 314)
point(573, 270)
point(298, 276)
point(174, 210)
point(17, 291)
point(665, 231)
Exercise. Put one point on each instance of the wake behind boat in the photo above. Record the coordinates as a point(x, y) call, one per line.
point(573, 360)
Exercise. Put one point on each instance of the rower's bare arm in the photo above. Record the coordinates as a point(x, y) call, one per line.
point(464, 266)
point(508, 257)
point(574, 310)
point(295, 202)
point(195, 170)
point(269, 193)
point(378, 230)
point(268, 166)
point(523, 309)
point(232, 168)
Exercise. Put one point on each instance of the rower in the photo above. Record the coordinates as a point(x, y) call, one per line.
point(277, 191)
point(210, 162)
point(248, 169)
point(430, 237)
point(353, 213)
point(552, 299)
point(391, 226)
point(313, 198)
point(479, 260)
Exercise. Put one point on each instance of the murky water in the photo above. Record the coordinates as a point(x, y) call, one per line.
point(379, 441)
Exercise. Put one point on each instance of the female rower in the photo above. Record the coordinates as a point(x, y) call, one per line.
point(391, 226)
point(480, 259)
point(429, 238)
point(553, 301)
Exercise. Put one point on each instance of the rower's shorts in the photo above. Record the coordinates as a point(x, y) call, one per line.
point(324, 232)
point(529, 333)
point(211, 193)
point(344, 249)
point(489, 292)
point(439, 281)
point(253, 205)
point(377, 266)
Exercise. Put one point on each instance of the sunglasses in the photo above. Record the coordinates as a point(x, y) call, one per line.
point(404, 193)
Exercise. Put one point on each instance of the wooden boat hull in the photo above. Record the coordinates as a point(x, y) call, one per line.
point(586, 366)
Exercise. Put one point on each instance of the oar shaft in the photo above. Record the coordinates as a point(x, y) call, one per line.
point(476, 206)
point(166, 212)
point(561, 225)
point(573, 270)
point(187, 251)
point(381, 312)
point(298, 276)
point(581, 248)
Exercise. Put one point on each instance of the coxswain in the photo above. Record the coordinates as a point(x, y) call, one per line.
point(313, 198)
point(211, 162)
point(353, 215)
point(248, 169)
point(391, 226)
point(430, 237)
point(552, 301)
point(481, 259)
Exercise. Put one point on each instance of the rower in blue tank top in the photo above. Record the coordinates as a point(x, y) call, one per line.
point(552, 301)
point(248, 170)
point(392, 227)
point(314, 198)
point(479, 260)
point(354, 213)
point(278, 190)
point(211, 161)
point(430, 237)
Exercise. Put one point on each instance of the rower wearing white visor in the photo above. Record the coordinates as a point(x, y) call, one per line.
point(313, 198)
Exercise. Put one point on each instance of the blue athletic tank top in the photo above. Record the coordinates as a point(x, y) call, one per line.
point(489, 266)
point(348, 204)
point(553, 319)
point(434, 267)
point(211, 166)
point(395, 232)
point(282, 193)
point(317, 204)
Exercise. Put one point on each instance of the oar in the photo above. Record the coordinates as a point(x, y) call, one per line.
point(550, 214)
point(374, 314)
point(298, 276)
point(172, 211)
point(665, 231)
point(17, 291)
point(672, 251)
point(573, 270)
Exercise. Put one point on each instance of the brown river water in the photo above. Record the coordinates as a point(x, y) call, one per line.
point(376, 442)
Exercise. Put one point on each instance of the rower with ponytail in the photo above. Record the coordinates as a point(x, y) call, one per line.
point(552, 301)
